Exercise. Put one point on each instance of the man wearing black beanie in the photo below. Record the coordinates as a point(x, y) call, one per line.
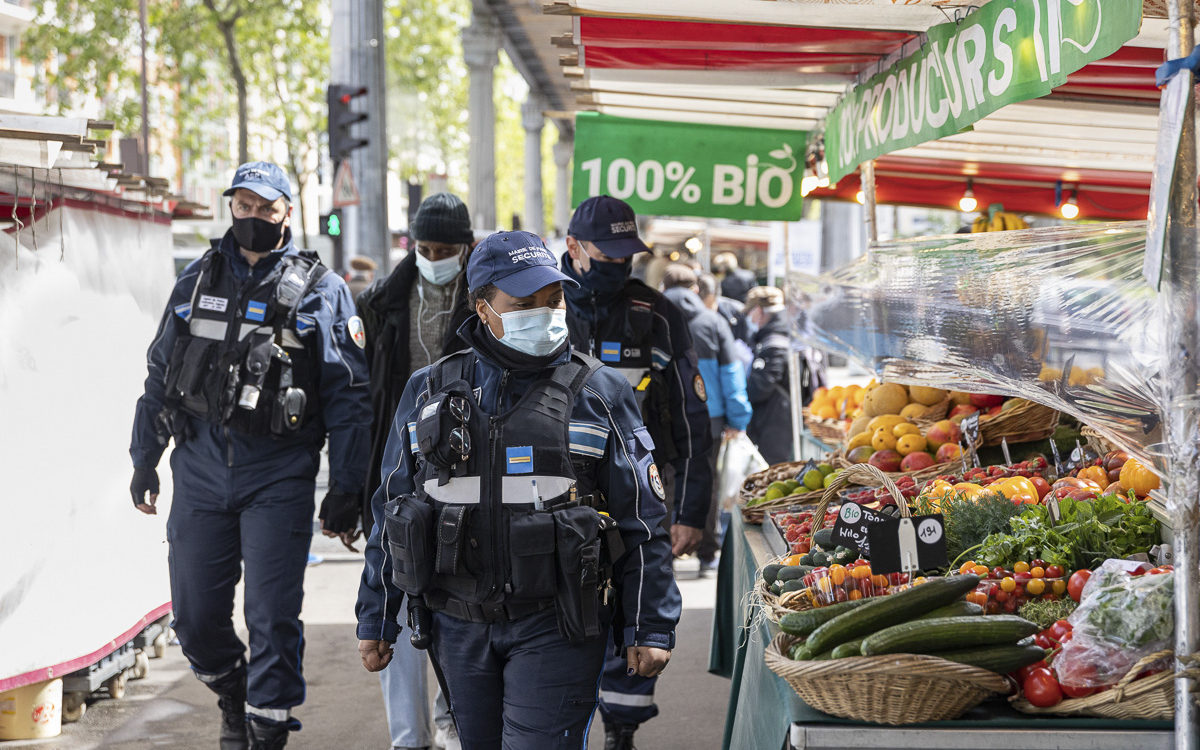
point(411, 318)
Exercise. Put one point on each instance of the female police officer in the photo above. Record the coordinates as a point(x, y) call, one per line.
point(521, 505)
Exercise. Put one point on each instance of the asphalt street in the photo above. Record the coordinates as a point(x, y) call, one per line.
point(344, 709)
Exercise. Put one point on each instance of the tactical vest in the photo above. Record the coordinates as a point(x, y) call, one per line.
point(514, 526)
point(624, 340)
point(242, 363)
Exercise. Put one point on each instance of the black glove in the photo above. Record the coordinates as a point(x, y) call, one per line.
point(145, 479)
point(339, 512)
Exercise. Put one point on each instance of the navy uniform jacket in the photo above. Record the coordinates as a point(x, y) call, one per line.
point(690, 424)
point(606, 427)
point(323, 318)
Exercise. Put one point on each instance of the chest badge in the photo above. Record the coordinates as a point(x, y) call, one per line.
point(357, 332)
point(610, 351)
point(519, 459)
point(698, 387)
point(256, 311)
point(213, 304)
point(656, 482)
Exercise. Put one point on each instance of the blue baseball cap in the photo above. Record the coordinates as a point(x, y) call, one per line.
point(517, 262)
point(608, 223)
point(264, 178)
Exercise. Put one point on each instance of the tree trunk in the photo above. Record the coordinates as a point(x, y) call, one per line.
point(228, 28)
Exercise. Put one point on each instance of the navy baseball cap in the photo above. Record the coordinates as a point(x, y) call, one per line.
point(264, 178)
point(609, 224)
point(517, 262)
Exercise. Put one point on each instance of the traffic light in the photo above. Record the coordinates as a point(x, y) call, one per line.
point(341, 117)
point(331, 223)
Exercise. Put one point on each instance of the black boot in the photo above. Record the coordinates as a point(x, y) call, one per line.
point(619, 736)
point(231, 692)
point(270, 735)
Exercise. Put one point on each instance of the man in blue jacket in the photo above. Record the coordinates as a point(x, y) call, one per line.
point(724, 379)
point(257, 359)
point(638, 332)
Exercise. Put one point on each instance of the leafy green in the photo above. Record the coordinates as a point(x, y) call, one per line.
point(1045, 613)
point(1132, 612)
point(969, 522)
point(1089, 532)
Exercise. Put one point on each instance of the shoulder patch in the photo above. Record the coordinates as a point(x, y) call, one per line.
point(698, 387)
point(655, 480)
point(355, 327)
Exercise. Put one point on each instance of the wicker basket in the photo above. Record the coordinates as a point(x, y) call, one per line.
point(1022, 423)
point(932, 414)
point(775, 607)
point(756, 484)
point(1097, 441)
point(1151, 697)
point(828, 431)
point(894, 689)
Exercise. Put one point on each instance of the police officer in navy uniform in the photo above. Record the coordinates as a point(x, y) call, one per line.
point(637, 331)
point(521, 506)
point(257, 359)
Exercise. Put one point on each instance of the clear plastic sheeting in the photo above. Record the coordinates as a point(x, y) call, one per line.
point(79, 566)
point(1059, 316)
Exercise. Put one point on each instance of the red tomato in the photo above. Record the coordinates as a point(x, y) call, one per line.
point(1038, 563)
point(1043, 487)
point(1074, 692)
point(1078, 580)
point(1162, 569)
point(1041, 689)
point(1054, 571)
point(1142, 569)
point(1059, 629)
point(1042, 640)
point(1024, 671)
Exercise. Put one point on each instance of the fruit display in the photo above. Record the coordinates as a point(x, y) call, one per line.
point(804, 482)
point(1004, 591)
point(997, 221)
point(891, 443)
point(1115, 473)
point(838, 402)
point(796, 528)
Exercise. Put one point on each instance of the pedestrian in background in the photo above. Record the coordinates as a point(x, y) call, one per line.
point(767, 384)
point(638, 332)
point(412, 319)
point(257, 359)
point(524, 468)
point(724, 379)
point(736, 282)
point(362, 273)
point(731, 311)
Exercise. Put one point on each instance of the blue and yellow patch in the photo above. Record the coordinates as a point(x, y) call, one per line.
point(256, 311)
point(519, 459)
point(610, 351)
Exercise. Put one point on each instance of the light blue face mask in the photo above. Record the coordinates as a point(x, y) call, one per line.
point(439, 272)
point(538, 332)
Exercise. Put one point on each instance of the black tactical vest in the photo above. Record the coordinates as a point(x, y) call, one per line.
point(243, 363)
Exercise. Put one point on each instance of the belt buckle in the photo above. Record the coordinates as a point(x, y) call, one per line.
point(494, 612)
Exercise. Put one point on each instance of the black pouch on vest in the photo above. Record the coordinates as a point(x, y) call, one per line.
point(408, 523)
point(435, 424)
point(531, 555)
point(577, 600)
point(451, 533)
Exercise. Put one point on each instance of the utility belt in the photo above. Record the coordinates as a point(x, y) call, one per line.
point(559, 557)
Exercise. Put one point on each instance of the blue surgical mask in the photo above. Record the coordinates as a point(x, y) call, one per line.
point(538, 332)
point(439, 272)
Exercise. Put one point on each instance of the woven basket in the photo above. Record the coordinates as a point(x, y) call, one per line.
point(932, 414)
point(1022, 423)
point(894, 689)
point(1151, 697)
point(756, 484)
point(775, 607)
point(1097, 441)
point(865, 475)
point(829, 431)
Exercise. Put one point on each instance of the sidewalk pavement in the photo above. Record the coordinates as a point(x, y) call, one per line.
point(344, 709)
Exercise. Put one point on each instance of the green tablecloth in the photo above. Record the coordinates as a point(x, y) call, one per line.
point(762, 706)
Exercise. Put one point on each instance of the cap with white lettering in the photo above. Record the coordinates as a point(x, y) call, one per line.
point(608, 223)
point(517, 262)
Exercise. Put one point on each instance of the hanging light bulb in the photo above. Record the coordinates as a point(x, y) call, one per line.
point(967, 202)
point(861, 197)
point(822, 173)
point(1070, 209)
point(808, 183)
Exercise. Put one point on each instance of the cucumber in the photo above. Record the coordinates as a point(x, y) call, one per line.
point(793, 585)
point(947, 633)
point(790, 573)
point(883, 611)
point(824, 538)
point(806, 559)
point(849, 648)
point(954, 609)
point(777, 588)
point(803, 623)
point(820, 559)
point(770, 572)
point(998, 659)
point(796, 652)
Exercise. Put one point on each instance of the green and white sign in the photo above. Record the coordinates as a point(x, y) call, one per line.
point(1003, 53)
point(682, 169)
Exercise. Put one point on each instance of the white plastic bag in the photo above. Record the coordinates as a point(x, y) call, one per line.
point(738, 459)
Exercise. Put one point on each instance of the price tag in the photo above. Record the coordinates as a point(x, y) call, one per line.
point(970, 431)
point(853, 521)
point(1004, 449)
point(908, 545)
point(1055, 511)
point(1058, 464)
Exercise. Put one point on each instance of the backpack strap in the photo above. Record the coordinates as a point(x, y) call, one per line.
point(454, 366)
point(575, 374)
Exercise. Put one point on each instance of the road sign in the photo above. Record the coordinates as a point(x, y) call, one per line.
point(345, 192)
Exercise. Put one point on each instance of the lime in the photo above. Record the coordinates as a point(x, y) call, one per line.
point(825, 469)
point(814, 479)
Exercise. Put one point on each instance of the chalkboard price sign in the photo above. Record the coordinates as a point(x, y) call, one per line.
point(906, 545)
point(850, 529)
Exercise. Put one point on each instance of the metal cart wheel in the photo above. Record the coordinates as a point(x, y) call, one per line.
point(141, 666)
point(116, 686)
point(160, 645)
point(74, 706)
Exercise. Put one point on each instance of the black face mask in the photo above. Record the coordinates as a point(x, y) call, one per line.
point(257, 235)
point(606, 278)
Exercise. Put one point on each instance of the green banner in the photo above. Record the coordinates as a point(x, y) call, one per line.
point(682, 169)
point(1003, 53)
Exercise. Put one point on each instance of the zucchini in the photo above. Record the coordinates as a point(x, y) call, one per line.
point(770, 572)
point(961, 608)
point(820, 559)
point(803, 623)
point(777, 588)
point(792, 585)
point(947, 633)
point(882, 611)
point(849, 648)
point(806, 559)
point(790, 573)
point(824, 538)
point(998, 659)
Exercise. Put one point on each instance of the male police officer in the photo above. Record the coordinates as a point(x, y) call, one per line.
point(634, 329)
point(258, 357)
